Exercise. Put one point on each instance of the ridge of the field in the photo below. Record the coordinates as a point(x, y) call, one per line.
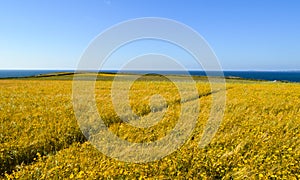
point(67, 75)
point(40, 135)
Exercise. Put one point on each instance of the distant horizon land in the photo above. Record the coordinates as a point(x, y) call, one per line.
point(274, 75)
point(61, 69)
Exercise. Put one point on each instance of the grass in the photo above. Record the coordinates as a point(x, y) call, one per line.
point(40, 137)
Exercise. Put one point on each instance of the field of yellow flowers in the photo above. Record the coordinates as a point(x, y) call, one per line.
point(259, 137)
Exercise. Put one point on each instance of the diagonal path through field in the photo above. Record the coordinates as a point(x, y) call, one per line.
point(51, 132)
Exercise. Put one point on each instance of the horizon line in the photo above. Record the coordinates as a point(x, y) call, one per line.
point(72, 69)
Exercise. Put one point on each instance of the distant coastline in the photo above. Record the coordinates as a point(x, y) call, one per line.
point(286, 76)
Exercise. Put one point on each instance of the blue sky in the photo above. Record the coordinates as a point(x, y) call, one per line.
point(245, 35)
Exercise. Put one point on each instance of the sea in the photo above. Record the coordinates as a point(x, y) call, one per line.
point(286, 76)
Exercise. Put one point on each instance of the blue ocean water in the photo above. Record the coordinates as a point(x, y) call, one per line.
point(26, 73)
point(291, 76)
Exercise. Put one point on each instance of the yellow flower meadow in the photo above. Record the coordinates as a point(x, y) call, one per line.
point(258, 137)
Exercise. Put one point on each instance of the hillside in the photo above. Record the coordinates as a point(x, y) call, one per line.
point(41, 138)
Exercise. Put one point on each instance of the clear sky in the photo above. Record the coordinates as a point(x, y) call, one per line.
point(245, 35)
